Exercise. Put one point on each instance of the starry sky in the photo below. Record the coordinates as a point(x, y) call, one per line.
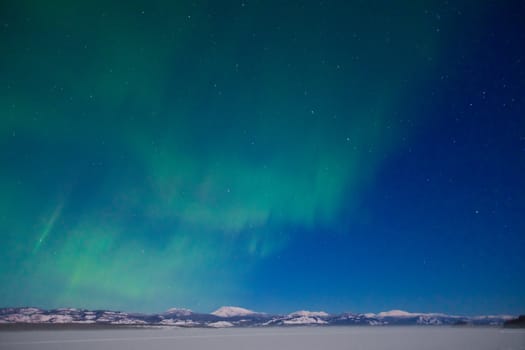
point(338, 155)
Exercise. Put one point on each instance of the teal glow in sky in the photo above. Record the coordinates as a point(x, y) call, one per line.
point(336, 155)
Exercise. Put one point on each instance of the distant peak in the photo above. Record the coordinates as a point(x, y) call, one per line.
point(396, 313)
point(179, 311)
point(232, 311)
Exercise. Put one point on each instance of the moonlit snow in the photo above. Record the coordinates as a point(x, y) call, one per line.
point(232, 311)
point(304, 338)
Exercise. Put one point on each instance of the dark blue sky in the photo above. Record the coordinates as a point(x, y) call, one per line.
point(440, 226)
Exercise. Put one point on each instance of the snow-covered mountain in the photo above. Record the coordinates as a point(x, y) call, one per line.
point(232, 311)
point(401, 313)
point(310, 313)
point(396, 313)
point(178, 312)
point(231, 316)
point(73, 316)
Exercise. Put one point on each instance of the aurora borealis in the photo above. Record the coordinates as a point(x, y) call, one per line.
point(346, 156)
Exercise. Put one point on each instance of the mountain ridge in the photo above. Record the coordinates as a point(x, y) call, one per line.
point(233, 316)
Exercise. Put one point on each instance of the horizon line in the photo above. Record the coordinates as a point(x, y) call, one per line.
point(384, 312)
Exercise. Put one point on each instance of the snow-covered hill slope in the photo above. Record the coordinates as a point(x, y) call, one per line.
point(232, 311)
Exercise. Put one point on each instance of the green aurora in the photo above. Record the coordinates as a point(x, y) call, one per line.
point(156, 152)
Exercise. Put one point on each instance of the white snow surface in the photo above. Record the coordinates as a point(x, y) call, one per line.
point(428, 320)
point(232, 311)
point(401, 313)
point(300, 338)
point(309, 313)
point(396, 313)
point(220, 324)
point(304, 320)
point(375, 323)
point(185, 323)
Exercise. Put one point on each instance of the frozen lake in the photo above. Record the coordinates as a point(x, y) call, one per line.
point(362, 338)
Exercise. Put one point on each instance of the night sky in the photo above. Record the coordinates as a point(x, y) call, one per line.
point(277, 155)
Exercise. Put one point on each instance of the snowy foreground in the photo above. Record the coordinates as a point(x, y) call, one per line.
point(304, 338)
